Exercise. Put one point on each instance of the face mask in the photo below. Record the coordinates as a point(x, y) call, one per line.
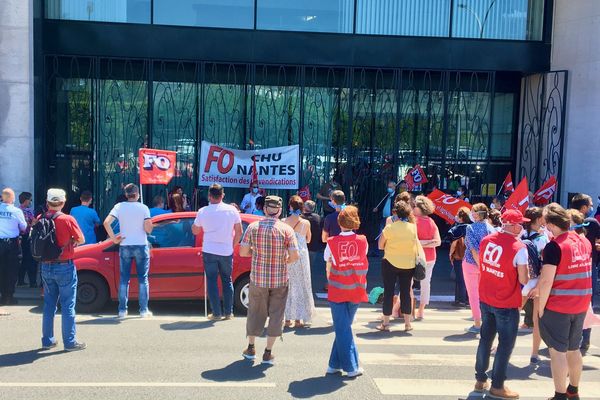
point(331, 204)
point(459, 193)
point(254, 190)
point(472, 217)
point(590, 212)
point(492, 206)
point(390, 190)
point(296, 212)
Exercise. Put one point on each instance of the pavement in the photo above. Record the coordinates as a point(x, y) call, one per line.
point(178, 354)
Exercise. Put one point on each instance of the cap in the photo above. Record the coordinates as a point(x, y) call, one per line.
point(273, 202)
point(513, 217)
point(56, 195)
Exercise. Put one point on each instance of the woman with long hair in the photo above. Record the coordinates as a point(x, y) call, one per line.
point(177, 203)
point(300, 305)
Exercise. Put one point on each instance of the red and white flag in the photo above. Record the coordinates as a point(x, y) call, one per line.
point(157, 167)
point(519, 199)
point(507, 185)
point(415, 177)
point(447, 206)
point(545, 193)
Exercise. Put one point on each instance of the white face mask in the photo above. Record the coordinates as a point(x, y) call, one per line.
point(459, 193)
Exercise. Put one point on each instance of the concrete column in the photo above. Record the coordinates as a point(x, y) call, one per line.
point(16, 95)
point(576, 48)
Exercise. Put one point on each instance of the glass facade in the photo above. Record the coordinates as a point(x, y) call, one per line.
point(307, 15)
point(364, 126)
point(209, 13)
point(480, 19)
point(130, 11)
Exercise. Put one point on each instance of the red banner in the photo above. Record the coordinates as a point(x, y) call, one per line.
point(507, 185)
point(545, 193)
point(519, 199)
point(447, 206)
point(416, 176)
point(157, 167)
point(304, 193)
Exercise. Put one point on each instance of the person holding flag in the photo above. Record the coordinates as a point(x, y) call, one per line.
point(248, 204)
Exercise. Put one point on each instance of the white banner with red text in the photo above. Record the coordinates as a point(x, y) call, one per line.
point(277, 167)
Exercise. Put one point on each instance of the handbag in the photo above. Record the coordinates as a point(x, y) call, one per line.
point(420, 261)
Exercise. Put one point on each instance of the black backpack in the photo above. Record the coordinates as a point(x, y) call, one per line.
point(535, 261)
point(44, 246)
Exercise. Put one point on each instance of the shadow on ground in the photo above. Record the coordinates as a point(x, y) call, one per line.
point(320, 385)
point(186, 325)
point(237, 371)
point(25, 357)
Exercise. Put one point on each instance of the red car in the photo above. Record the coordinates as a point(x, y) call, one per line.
point(176, 268)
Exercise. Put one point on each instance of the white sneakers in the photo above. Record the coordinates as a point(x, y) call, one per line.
point(123, 314)
point(352, 374)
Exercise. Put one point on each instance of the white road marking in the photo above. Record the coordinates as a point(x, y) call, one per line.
point(416, 341)
point(462, 388)
point(140, 384)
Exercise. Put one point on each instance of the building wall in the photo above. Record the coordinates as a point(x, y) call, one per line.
point(575, 44)
point(16, 95)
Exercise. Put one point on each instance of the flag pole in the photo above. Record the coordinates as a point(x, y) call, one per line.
point(141, 193)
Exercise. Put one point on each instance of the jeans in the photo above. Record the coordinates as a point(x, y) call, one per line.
point(215, 265)
point(141, 254)
point(60, 283)
point(343, 353)
point(505, 322)
point(460, 289)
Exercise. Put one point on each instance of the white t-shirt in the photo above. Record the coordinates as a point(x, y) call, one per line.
point(131, 216)
point(522, 257)
point(249, 203)
point(217, 222)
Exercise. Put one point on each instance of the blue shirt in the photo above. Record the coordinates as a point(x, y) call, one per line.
point(87, 218)
point(259, 212)
point(475, 234)
point(154, 211)
point(12, 221)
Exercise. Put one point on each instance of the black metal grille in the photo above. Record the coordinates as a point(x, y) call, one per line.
point(365, 126)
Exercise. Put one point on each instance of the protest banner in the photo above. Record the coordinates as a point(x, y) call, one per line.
point(415, 177)
point(447, 206)
point(507, 185)
point(274, 168)
point(157, 167)
point(519, 199)
point(545, 193)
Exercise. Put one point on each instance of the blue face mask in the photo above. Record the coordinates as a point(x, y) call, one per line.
point(391, 190)
point(254, 190)
point(296, 212)
point(331, 204)
point(590, 213)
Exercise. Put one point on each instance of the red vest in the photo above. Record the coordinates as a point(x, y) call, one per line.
point(572, 287)
point(348, 275)
point(499, 282)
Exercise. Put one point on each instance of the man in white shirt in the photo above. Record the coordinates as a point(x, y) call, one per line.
point(248, 204)
point(222, 228)
point(134, 221)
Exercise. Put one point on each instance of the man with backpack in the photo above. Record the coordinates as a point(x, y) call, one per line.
point(12, 224)
point(53, 239)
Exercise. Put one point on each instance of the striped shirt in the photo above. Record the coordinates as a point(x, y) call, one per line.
point(270, 239)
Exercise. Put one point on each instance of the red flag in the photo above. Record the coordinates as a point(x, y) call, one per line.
point(545, 193)
point(447, 206)
point(254, 179)
point(416, 176)
point(507, 185)
point(304, 193)
point(519, 199)
point(157, 167)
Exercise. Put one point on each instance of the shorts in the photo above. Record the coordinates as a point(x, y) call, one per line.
point(562, 332)
point(266, 303)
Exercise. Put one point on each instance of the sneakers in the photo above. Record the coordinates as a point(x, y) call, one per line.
point(502, 394)
point(534, 359)
point(481, 387)
point(473, 329)
point(249, 353)
point(268, 358)
point(228, 317)
point(213, 317)
point(146, 314)
point(354, 374)
point(122, 315)
point(333, 371)
point(50, 346)
point(76, 347)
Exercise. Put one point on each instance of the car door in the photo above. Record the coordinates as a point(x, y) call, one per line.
point(176, 262)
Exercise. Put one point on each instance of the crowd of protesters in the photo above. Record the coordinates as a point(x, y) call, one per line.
point(543, 262)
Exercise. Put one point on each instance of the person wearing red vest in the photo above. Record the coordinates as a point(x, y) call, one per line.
point(503, 261)
point(565, 292)
point(347, 255)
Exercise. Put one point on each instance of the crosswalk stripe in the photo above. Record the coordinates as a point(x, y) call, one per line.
point(426, 341)
point(455, 327)
point(462, 388)
point(140, 384)
point(450, 360)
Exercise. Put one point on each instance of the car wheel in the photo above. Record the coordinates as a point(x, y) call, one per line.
point(240, 296)
point(92, 293)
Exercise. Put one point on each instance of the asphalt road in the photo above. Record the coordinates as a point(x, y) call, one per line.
point(178, 354)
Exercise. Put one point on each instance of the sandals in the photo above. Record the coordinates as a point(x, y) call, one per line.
point(408, 328)
point(383, 327)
